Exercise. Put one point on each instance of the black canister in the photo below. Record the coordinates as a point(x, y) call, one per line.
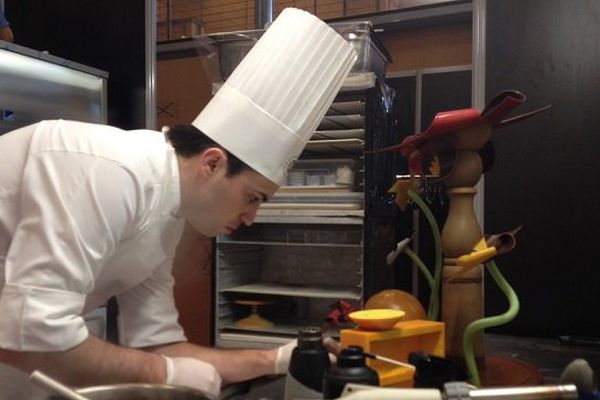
point(308, 364)
point(351, 367)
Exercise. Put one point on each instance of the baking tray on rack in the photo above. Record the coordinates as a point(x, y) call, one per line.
point(348, 146)
point(320, 292)
point(351, 121)
point(347, 107)
point(316, 200)
point(339, 134)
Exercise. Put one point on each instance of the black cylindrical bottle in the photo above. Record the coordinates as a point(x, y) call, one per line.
point(309, 361)
point(351, 367)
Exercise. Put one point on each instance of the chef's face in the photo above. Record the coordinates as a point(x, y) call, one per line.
point(216, 203)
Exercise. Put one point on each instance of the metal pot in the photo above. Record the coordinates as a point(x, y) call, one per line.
point(135, 391)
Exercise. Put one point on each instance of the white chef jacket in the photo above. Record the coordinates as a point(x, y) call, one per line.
point(86, 212)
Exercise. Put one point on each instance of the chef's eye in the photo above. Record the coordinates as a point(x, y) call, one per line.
point(253, 199)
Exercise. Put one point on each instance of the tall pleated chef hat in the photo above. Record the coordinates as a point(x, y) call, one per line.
point(273, 101)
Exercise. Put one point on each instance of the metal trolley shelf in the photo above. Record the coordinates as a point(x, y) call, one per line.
point(322, 292)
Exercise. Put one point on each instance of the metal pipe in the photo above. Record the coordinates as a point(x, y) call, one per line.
point(550, 392)
point(461, 391)
point(478, 90)
point(150, 54)
point(263, 13)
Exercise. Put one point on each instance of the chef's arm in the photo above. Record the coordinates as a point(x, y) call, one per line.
point(233, 365)
point(93, 362)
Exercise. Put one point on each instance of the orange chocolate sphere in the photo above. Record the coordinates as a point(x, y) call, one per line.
point(397, 300)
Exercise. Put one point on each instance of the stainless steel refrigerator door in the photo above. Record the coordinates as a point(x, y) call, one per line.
point(35, 86)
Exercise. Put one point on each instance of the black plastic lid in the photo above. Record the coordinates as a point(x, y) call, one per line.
point(352, 356)
point(310, 337)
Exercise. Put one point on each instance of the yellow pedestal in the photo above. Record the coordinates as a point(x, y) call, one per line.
point(406, 337)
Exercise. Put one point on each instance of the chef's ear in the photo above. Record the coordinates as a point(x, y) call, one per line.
point(212, 165)
point(212, 159)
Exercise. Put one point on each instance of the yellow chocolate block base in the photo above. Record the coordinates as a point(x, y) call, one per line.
point(397, 344)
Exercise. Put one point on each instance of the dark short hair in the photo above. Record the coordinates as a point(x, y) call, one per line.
point(189, 141)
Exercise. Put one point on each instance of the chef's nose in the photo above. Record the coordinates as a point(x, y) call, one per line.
point(248, 216)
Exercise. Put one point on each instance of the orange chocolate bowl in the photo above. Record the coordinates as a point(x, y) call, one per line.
point(377, 319)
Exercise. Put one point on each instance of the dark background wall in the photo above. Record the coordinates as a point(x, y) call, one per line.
point(547, 169)
point(108, 35)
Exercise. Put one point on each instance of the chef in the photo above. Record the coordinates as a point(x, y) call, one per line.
point(88, 212)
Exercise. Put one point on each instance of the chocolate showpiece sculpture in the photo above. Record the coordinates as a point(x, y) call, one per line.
point(456, 150)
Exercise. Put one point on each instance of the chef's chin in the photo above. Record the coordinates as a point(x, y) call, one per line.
point(226, 231)
point(203, 230)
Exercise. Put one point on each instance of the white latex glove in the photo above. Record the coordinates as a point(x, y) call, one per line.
point(284, 354)
point(191, 372)
point(333, 347)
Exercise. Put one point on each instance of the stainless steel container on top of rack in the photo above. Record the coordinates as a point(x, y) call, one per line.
point(233, 46)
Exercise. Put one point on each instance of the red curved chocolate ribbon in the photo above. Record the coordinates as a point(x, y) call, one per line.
point(414, 147)
point(449, 122)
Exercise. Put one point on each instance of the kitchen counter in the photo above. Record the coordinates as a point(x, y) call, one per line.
point(548, 356)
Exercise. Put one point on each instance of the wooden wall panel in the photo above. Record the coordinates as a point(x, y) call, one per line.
point(429, 47)
point(234, 15)
point(182, 88)
point(215, 15)
point(357, 7)
point(307, 5)
point(328, 9)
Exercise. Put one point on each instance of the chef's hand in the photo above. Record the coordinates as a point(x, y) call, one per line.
point(191, 372)
point(284, 353)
